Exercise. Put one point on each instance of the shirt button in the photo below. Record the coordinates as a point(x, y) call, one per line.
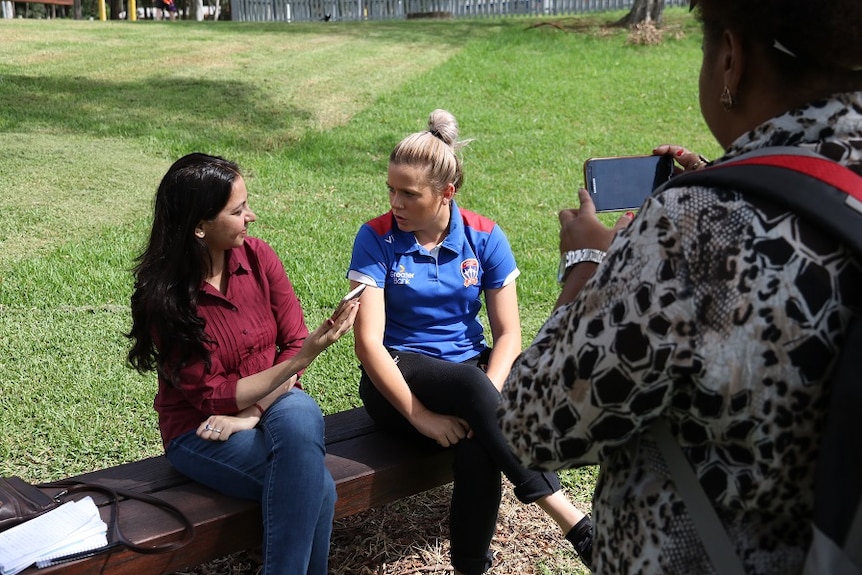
point(245, 332)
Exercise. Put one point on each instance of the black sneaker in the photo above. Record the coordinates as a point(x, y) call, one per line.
point(581, 538)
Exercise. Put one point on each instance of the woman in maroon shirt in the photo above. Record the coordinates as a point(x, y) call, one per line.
point(214, 313)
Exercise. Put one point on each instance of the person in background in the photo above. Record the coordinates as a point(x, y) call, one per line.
point(164, 8)
point(426, 366)
point(717, 312)
point(215, 315)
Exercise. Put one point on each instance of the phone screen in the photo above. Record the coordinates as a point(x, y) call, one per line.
point(623, 183)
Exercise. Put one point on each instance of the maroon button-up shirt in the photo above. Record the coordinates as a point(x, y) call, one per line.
point(256, 324)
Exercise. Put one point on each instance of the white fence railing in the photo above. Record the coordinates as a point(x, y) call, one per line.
point(352, 10)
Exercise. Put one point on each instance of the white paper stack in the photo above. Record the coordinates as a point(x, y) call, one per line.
point(70, 528)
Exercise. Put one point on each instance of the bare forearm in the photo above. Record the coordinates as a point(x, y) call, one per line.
point(267, 400)
point(506, 349)
point(267, 385)
point(255, 387)
point(575, 281)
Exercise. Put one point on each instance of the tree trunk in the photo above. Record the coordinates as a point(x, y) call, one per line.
point(642, 11)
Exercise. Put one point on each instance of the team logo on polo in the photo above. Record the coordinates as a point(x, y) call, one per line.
point(401, 277)
point(470, 271)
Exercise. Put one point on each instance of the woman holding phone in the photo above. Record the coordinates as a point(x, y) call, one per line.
point(716, 311)
point(427, 369)
point(214, 314)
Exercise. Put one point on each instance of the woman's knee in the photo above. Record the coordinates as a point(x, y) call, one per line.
point(296, 414)
point(296, 406)
point(482, 390)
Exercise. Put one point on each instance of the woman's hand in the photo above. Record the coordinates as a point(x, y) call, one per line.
point(221, 427)
point(444, 429)
point(332, 329)
point(686, 159)
point(255, 387)
point(581, 229)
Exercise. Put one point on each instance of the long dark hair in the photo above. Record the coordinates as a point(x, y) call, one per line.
point(166, 329)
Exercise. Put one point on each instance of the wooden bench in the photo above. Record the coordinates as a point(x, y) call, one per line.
point(370, 468)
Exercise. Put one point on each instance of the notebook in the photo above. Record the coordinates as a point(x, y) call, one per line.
point(72, 528)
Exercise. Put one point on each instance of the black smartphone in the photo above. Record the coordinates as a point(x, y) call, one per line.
point(624, 182)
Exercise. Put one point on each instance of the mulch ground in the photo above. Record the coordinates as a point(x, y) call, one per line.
point(410, 537)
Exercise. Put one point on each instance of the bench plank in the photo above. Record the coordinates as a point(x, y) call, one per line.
point(368, 474)
point(370, 468)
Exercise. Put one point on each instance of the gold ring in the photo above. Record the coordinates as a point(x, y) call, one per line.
point(701, 161)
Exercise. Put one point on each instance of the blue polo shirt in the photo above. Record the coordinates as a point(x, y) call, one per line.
point(433, 298)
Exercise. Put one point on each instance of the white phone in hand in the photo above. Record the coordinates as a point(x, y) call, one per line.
point(354, 293)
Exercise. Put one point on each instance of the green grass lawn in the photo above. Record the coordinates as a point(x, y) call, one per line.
point(93, 113)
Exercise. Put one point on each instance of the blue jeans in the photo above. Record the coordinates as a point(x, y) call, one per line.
point(279, 463)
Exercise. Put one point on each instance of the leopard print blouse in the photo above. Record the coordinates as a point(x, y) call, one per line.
point(723, 315)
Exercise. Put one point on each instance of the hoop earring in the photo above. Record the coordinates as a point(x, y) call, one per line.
point(726, 99)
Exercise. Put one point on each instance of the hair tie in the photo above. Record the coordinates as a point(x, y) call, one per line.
point(782, 48)
point(436, 134)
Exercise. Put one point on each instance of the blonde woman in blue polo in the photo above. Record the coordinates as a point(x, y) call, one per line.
point(426, 366)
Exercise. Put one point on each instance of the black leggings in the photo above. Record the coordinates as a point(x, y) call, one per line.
point(463, 390)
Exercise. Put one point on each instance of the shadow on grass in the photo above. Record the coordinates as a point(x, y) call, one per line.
point(211, 114)
point(191, 112)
